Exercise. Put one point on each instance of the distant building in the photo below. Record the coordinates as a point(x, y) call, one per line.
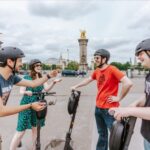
point(51, 61)
point(58, 62)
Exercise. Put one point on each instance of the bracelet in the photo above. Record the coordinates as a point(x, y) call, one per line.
point(48, 76)
point(30, 105)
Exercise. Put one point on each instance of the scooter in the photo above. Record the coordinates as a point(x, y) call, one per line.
point(121, 133)
point(60, 144)
point(41, 114)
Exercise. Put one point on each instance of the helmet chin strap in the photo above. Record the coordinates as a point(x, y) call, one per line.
point(101, 64)
point(13, 68)
point(147, 54)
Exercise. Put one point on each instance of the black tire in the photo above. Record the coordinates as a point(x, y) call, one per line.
point(116, 136)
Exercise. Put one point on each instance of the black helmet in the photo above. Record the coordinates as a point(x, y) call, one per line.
point(103, 52)
point(10, 53)
point(144, 45)
point(34, 61)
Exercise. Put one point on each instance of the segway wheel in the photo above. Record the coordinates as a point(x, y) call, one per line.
point(116, 136)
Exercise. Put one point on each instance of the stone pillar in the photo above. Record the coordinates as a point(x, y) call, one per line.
point(83, 51)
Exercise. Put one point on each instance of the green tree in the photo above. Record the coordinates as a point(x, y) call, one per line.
point(54, 66)
point(121, 66)
point(73, 65)
point(46, 67)
point(25, 66)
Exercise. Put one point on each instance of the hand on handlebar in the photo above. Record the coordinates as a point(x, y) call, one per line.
point(37, 106)
point(120, 112)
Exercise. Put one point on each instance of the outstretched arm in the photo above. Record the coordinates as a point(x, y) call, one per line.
point(82, 83)
point(48, 87)
point(37, 82)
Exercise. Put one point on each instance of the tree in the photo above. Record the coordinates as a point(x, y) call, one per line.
point(46, 67)
point(73, 65)
point(25, 66)
point(121, 66)
point(53, 66)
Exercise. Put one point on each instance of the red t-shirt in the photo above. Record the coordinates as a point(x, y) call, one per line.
point(107, 84)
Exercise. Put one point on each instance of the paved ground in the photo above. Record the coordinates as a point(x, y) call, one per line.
point(57, 123)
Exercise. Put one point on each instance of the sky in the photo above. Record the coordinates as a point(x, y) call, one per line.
point(48, 28)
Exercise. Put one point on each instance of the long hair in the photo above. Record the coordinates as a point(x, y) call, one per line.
point(33, 73)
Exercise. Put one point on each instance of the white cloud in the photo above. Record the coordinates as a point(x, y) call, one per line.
point(48, 28)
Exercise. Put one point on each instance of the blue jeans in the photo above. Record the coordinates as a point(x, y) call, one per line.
point(104, 122)
point(146, 145)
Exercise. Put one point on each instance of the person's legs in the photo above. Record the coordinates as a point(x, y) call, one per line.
point(109, 119)
point(34, 136)
point(16, 140)
point(102, 143)
point(146, 145)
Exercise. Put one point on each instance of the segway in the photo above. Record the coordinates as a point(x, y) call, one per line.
point(41, 114)
point(121, 133)
point(60, 144)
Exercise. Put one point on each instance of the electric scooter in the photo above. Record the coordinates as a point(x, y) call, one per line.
point(41, 114)
point(60, 144)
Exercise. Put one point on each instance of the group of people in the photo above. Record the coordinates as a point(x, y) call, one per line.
point(108, 79)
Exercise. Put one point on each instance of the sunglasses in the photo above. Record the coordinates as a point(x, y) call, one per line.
point(38, 65)
point(96, 58)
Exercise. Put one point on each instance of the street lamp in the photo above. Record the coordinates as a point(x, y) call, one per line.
point(68, 55)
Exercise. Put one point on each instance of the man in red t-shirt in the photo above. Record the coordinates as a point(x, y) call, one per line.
point(108, 78)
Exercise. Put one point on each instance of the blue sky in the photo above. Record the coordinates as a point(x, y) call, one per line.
point(46, 28)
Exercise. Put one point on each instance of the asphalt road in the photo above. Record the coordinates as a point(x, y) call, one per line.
point(84, 133)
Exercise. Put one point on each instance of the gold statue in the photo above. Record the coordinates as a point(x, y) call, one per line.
point(82, 34)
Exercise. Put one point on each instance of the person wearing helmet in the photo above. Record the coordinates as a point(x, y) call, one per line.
point(27, 119)
point(141, 107)
point(10, 63)
point(108, 78)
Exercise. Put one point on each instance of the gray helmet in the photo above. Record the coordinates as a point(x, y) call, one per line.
point(10, 53)
point(103, 52)
point(143, 46)
point(34, 61)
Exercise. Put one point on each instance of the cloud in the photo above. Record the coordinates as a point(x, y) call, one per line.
point(109, 42)
point(141, 17)
point(67, 10)
point(45, 29)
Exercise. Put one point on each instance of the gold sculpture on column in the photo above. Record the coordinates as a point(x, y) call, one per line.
point(82, 34)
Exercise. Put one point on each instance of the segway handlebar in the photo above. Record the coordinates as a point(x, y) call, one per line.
point(41, 96)
point(43, 93)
